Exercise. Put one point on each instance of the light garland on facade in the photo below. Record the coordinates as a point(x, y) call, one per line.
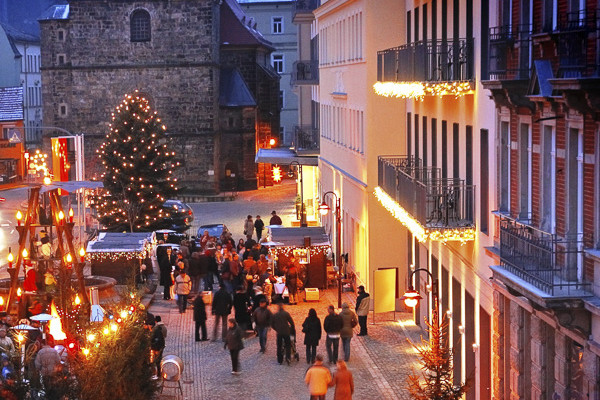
point(418, 90)
point(422, 234)
point(288, 251)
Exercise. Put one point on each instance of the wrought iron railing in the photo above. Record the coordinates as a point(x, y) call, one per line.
point(427, 61)
point(540, 258)
point(306, 138)
point(509, 54)
point(434, 202)
point(305, 72)
point(306, 6)
point(574, 39)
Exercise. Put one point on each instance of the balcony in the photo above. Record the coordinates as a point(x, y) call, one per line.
point(438, 205)
point(306, 6)
point(575, 35)
point(509, 52)
point(540, 264)
point(305, 73)
point(426, 68)
point(306, 140)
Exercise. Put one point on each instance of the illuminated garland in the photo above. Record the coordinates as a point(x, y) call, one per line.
point(289, 250)
point(422, 234)
point(116, 256)
point(418, 90)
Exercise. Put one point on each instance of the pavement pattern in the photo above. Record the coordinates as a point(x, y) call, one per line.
point(380, 362)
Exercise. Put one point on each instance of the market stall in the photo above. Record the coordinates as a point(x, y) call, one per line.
point(310, 246)
point(119, 255)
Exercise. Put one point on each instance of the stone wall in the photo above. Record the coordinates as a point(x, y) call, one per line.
point(177, 70)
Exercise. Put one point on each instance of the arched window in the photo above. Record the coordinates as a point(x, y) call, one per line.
point(140, 26)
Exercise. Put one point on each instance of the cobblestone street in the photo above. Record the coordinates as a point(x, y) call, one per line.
point(380, 362)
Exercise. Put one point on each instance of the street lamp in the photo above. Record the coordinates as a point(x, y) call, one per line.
point(302, 210)
point(323, 210)
point(411, 297)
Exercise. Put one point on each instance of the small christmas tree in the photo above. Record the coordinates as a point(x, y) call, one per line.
point(436, 364)
point(139, 168)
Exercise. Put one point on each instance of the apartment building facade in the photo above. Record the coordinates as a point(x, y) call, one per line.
point(543, 76)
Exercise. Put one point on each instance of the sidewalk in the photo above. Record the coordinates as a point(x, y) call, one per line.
point(380, 362)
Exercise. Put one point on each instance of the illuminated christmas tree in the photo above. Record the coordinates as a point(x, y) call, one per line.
point(139, 169)
point(436, 365)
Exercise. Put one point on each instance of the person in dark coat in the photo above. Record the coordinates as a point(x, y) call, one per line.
point(221, 308)
point(213, 269)
point(332, 325)
point(200, 318)
point(241, 303)
point(312, 334)
point(234, 342)
point(283, 324)
point(194, 272)
point(275, 219)
point(291, 281)
point(259, 225)
point(166, 263)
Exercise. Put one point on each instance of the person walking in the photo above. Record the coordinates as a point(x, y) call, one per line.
point(343, 382)
point(200, 318)
point(248, 227)
point(332, 325)
point(262, 318)
point(275, 219)
point(259, 225)
point(157, 346)
point(291, 281)
point(283, 324)
point(350, 320)
point(221, 308)
point(363, 301)
point(241, 304)
point(318, 379)
point(159, 323)
point(183, 286)
point(312, 334)
point(234, 341)
point(194, 271)
point(166, 262)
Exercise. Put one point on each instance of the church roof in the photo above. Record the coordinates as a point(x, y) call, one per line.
point(238, 29)
point(16, 35)
point(233, 90)
point(58, 11)
point(11, 103)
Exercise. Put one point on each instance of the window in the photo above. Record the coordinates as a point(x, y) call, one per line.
point(455, 152)
point(434, 145)
point(444, 149)
point(484, 164)
point(61, 59)
point(282, 99)
point(503, 162)
point(277, 25)
point(548, 179)
point(525, 172)
point(408, 134)
point(63, 110)
point(140, 26)
point(277, 62)
point(61, 35)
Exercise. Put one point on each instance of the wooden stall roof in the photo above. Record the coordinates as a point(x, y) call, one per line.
point(282, 237)
point(109, 242)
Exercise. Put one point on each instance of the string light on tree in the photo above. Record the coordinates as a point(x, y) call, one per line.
point(138, 168)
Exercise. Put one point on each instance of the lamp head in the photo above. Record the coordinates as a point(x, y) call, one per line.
point(323, 208)
point(411, 297)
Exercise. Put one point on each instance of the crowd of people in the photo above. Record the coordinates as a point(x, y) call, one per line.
point(243, 273)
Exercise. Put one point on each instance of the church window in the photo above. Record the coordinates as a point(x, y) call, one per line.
point(140, 26)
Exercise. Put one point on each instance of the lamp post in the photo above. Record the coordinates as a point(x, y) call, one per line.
point(302, 210)
point(411, 297)
point(323, 210)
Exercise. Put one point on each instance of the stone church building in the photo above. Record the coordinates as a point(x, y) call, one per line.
point(201, 63)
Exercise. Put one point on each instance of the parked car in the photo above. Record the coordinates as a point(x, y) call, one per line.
point(215, 230)
point(179, 215)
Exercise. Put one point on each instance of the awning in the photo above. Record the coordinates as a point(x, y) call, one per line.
point(284, 156)
point(295, 236)
point(71, 186)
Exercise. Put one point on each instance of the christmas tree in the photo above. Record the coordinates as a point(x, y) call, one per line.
point(436, 364)
point(139, 168)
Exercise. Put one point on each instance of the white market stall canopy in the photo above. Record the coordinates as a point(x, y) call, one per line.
point(128, 245)
point(294, 237)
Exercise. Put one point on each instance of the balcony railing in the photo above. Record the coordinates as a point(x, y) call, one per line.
point(306, 138)
point(306, 6)
point(540, 258)
point(305, 73)
point(427, 61)
point(574, 40)
point(434, 202)
point(510, 52)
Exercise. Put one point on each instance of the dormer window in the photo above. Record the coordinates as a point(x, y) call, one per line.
point(140, 26)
